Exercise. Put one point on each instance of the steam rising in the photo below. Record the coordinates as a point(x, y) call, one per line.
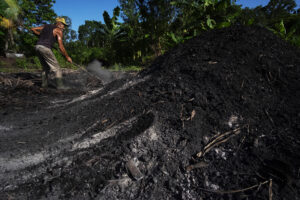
point(96, 68)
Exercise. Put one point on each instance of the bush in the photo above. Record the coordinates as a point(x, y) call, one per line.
point(28, 63)
point(37, 62)
point(22, 63)
point(63, 63)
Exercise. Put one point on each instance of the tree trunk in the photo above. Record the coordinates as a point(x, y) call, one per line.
point(11, 38)
point(6, 45)
point(9, 42)
point(157, 48)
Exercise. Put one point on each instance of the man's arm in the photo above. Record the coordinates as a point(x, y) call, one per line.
point(37, 30)
point(59, 35)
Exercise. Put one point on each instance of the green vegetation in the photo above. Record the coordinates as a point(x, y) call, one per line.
point(149, 28)
point(21, 65)
point(32, 63)
point(129, 68)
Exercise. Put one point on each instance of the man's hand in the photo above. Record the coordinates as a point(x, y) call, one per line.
point(69, 59)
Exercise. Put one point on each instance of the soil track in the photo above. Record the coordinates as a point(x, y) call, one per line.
point(138, 137)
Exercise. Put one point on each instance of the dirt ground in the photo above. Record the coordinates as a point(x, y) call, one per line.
point(215, 118)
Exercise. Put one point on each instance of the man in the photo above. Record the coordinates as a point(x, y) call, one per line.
point(48, 35)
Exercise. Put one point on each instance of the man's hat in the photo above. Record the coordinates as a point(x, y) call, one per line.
point(62, 20)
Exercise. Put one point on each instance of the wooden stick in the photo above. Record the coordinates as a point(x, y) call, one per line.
point(202, 153)
point(235, 191)
point(111, 125)
point(197, 165)
point(222, 136)
point(219, 140)
point(270, 190)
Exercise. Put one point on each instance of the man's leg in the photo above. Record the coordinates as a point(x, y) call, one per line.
point(45, 67)
point(50, 59)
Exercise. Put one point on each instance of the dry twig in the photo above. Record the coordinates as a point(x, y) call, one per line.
point(104, 121)
point(111, 125)
point(181, 115)
point(267, 113)
point(92, 161)
point(270, 189)
point(235, 191)
point(219, 140)
point(197, 165)
point(243, 140)
point(193, 114)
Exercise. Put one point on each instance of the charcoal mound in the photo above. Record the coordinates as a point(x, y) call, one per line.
point(215, 118)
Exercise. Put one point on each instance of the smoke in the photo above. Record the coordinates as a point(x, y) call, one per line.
point(96, 69)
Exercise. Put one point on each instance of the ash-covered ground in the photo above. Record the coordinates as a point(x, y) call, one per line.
point(215, 118)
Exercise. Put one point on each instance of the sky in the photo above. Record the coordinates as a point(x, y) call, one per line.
point(81, 10)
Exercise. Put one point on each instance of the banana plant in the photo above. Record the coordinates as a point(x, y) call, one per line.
point(112, 30)
point(280, 28)
point(197, 10)
point(203, 15)
point(9, 22)
point(177, 38)
point(288, 29)
point(112, 33)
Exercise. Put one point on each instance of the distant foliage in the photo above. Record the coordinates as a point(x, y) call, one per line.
point(148, 29)
point(28, 63)
point(279, 16)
